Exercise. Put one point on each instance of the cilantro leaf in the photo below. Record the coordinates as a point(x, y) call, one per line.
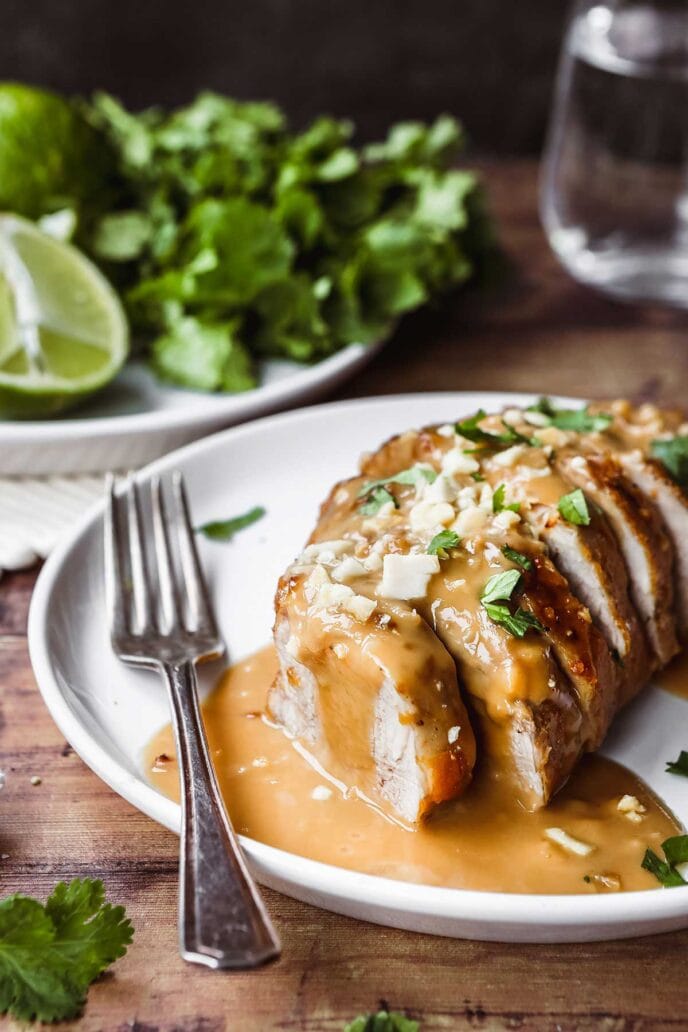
point(663, 871)
point(383, 1021)
point(49, 955)
point(673, 454)
point(498, 504)
point(500, 587)
point(224, 530)
point(517, 623)
point(470, 429)
point(676, 849)
point(679, 766)
point(496, 593)
point(574, 508)
point(378, 497)
point(296, 244)
point(517, 557)
point(442, 542)
point(413, 475)
point(580, 420)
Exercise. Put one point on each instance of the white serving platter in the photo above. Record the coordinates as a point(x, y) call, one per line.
point(108, 712)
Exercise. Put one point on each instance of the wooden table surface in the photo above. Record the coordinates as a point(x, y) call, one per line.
point(543, 333)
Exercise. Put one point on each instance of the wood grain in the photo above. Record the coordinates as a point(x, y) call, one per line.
point(540, 332)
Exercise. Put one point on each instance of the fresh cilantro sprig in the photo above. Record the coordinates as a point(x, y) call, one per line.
point(494, 597)
point(383, 1021)
point(673, 454)
point(679, 766)
point(224, 530)
point(675, 851)
point(442, 543)
point(574, 508)
point(50, 954)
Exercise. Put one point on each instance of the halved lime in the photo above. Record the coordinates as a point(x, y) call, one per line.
point(63, 332)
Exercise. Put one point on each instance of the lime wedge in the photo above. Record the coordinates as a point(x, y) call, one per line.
point(63, 333)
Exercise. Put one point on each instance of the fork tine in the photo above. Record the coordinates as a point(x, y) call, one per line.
point(169, 598)
point(117, 600)
point(140, 579)
point(200, 609)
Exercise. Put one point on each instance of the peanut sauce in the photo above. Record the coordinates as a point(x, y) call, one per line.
point(485, 840)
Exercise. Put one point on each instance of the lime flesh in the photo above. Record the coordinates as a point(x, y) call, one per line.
point(63, 333)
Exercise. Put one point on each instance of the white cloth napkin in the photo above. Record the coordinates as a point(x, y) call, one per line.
point(36, 511)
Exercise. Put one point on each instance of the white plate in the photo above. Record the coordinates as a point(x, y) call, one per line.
point(108, 712)
point(137, 417)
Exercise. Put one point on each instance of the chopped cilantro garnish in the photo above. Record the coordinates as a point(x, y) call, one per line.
point(517, 623)
point(518, 557)
point(496, 593)
point(224, 530)
point(442, 542)
point(478, 477)
point(580, 420)
point(574, 508)
point(498, 504)
point(470, 429)
point(413, 475)
point(679, 766)
point(663, 871)
point(50, 954)
point(673, 454)
point(500, 587)
point(676, 849)
point(378, 497)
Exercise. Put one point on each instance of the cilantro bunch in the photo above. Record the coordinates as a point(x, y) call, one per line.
point(232, 238)
point(50, 954)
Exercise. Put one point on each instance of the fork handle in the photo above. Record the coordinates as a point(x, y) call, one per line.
point(222, 920)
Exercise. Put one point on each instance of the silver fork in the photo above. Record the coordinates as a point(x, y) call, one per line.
point(161, 618)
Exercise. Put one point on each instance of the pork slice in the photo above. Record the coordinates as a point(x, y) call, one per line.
point(652, 478)
point(644, 544)
point(375, 703)
point(590, 559)
point(580, 648)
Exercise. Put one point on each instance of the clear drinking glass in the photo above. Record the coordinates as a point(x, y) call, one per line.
point(614, 185)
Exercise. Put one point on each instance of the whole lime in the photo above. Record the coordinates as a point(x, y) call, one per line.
point(50, 157)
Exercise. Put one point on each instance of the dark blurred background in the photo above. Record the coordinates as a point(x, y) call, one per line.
point(490, 62)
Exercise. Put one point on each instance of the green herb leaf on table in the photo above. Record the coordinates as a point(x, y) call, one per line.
point(679, 766)
point(224, 530)
point(498, 503)
point(673, 454)
point(518, 557)
point(442, 543)
point(574, 508)
point(50, 954)
point(383, 1021)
